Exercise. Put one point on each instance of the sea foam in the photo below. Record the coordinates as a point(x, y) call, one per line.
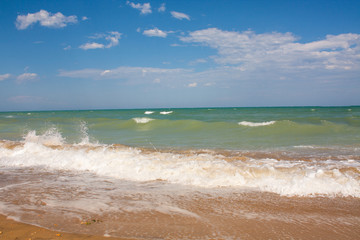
point(205, 170)
point(256, 124)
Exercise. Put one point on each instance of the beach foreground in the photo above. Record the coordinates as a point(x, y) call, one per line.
point(11, 229)
point(245, 216)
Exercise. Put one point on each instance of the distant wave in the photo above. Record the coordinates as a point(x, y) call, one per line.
point(148, 112)
point(142, 120)
point(165, 113)
point(255, 124)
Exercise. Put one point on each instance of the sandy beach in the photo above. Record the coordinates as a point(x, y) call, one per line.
point(11, 229)
point(218, 218)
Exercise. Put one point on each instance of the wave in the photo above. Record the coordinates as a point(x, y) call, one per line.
point(206, 169)
point(166, 112)
point(256, 124)
point(142, 120)
point(148, 112)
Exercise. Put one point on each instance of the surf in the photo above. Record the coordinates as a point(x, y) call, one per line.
point(206, 169)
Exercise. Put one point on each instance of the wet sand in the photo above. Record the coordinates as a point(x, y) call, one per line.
point(255, 216)
point(11, 229)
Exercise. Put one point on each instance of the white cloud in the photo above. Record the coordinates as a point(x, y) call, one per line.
point(180, 15)
point(155, 33)
point(92, 45)
point(25, 77)
point(144, 8)
point(279, 50)
point(46, 19)
point(105, 72)
point(192, 85)
point(84, 18)
point(162, 8)
point(273, 65)
point(112, 38)
point(68, 47)
point(4, 76)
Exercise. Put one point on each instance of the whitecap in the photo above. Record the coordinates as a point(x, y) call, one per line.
point(255, 124)
point(142, 120)
point(148, 112)
point(166, 112)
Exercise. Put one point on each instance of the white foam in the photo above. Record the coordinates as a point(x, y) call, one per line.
point(256, 124)
point(290, 178)
point(148, 112)
point(85, 138)
point(305, 146)
point(166, 112)
point(142, 120)
point(51, 137)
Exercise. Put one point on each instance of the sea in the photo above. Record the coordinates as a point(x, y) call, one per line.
point(185, 173)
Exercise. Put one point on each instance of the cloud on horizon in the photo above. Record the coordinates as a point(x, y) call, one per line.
point(45, 18)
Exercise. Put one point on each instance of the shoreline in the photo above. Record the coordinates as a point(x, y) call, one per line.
point(11, 229)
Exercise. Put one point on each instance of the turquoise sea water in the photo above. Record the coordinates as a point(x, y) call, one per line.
point(199, 128)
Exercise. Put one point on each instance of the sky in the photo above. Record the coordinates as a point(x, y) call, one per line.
point(119, 54)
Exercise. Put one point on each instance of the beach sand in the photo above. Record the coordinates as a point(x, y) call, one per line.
point(256, 216)
point(11, 229)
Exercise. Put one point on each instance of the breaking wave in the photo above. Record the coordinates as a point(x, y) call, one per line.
point(142, 120)
point(206, 169)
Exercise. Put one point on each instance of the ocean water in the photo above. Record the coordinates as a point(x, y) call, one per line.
point(203, 173)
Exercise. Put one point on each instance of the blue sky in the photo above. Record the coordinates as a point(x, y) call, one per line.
point(148, 54)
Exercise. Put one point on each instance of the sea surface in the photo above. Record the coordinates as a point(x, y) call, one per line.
point(194, 173)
